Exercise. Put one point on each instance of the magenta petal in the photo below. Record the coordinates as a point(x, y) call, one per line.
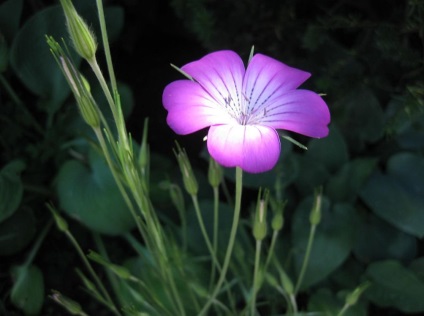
point(220, 74)
point(300, 111)
point(253, 148)
point(267, 79)
point(191, 108)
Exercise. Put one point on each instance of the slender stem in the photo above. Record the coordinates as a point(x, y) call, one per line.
point(293, 303)
point(271, 249)
point(204, 232)
point(18, 102)
point(90, 269)
point(106, 45)
point(96, 69)
point(231, 241)
point(306, 258)
point(38, 243)
point(255, 277)
point(343, 310)
point(215, 228)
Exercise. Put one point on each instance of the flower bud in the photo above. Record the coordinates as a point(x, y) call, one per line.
point(189, 180)
point(315, 216)
point(88, 110)
point(353, 297)
point(82, 37)
point(286, 282)
point(214, 173)
point(60, 221)
point(259, 224)
point(74, 308)
point(278, 218)
point(81, 89)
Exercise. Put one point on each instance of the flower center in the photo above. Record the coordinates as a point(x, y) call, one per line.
point(242, 111)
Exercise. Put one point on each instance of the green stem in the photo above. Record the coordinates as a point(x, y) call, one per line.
point(204, 232)
point(90, 269)
point(98, 73)
point(231, 241)
point(343, 310)
point(215, 228)
point(306, 258)
point(271, 249)
point(106, 45)
point(18, 102)
point(255, 277)
point(38, 243)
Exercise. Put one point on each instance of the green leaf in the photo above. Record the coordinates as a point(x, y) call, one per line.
point(393, 285)
point(346, 184)
point(331, 151)
point(11, 188)
point(17, 231)
point(89, 194)
point(10, 17)
point(332, 243)
point(311, 175)
point(398, 196)
point(378, 240)
point(33, 62)
point(360, 118)
point(28, 289)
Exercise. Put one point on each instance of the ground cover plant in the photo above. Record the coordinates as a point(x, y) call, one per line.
point(211, 157)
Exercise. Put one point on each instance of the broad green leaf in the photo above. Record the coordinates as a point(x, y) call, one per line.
point(345, 185)
point(28, 289)
point(395, 286)
point(10, 16)
point(360, 118)
point(11, 188)
point(332, 243)
point(331, 151)
point(398, 196)
point(89, 194)
point(379, 240)
point(417, 266)
point(33, 62)
point(17, 231)
point(311, 175)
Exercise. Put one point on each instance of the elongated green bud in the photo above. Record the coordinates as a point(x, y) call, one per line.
point(81, 89)
point(214, 173)
point(260, 224)
point(315, 216)
point(82, 37)
point(189, 180)
point(74, 308)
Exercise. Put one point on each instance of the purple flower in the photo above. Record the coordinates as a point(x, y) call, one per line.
point(244, 107)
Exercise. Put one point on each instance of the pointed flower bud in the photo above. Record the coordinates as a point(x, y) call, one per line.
point(214, 173)
point(81, 90)
point(82, 37)
point(74, 308)
point(278, 218)
point(189, 180)
point(315, 216)
point(353, 297)
point(286, 282)
point(259, 224)
point(61, 223)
